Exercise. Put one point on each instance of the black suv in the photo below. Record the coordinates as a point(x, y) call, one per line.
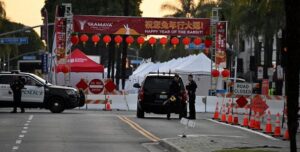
point(154, 91)
point(38, 93)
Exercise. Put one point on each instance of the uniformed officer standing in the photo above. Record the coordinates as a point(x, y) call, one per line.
point(191, 88)
point(175, 88)
point(16, 86)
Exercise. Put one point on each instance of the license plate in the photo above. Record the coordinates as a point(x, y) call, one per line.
point(163, 96)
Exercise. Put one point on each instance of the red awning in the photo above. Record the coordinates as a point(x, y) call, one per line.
point(79, 62)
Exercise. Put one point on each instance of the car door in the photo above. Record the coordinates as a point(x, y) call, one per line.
point(33, 91)
point(6, 95)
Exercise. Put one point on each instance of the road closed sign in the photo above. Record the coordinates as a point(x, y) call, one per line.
point(242, 89)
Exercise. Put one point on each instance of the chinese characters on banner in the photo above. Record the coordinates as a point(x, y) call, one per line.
point(221, 44)
point(60, 31)
point(141, 26)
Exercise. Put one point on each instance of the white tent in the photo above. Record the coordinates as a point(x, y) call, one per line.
point(199, 64)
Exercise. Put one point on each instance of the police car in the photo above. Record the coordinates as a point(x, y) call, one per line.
point(38, 93)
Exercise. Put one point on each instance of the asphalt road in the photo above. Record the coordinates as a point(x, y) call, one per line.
point(105, 131)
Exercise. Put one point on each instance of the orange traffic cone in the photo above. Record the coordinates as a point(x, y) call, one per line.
point(257, 122)
point(223, 117)
point(286, 133)
point(216, 115)
point(230, 120)
point(236, 118)
point(107, 106)
point(277, 131)
point(252, 121)
point(268, 129)
point(246, 118)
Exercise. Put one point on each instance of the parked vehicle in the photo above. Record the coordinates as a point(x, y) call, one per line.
point(154, 91)
point(38, 93)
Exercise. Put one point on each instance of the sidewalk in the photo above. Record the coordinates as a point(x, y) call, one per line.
point(210, 143)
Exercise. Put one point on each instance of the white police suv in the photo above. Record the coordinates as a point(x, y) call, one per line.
point(38, 93)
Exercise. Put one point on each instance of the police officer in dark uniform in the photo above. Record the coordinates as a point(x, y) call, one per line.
point(16, 86)
point(191, 88)
point(174, 96)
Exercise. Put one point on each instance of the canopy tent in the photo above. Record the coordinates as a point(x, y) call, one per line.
point(199, 64)
point(79, 62)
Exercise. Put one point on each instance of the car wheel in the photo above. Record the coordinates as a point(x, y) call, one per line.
point(140, 113)
point(56, 105)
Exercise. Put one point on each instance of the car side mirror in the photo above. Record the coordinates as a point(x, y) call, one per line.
point(136, 85)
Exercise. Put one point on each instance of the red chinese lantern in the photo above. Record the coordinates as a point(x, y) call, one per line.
point(215, 73)
point(197, 41)
point(163, 41)
point(207, 43)
point(95, 39)
point(140, 40)
point(65, 69)
point(174, 41)
point(106, 39)
point(74, 39)
point(186, 41)
point(118, 39)
point(84, 38)
point(129, 40)
point(152, 41)
point(225, 73)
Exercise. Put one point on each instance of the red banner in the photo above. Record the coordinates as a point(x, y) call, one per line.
point(141, 26)
point(221, 44)
point(265, 87)
point(60, 31)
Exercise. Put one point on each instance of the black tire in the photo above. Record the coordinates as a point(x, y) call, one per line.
point(140, 113)
point(56, 105)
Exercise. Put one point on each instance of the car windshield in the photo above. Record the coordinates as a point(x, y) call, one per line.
point(158, 83)
point(40, 79)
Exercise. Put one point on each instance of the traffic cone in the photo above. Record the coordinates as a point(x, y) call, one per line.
point(246, 118)
point(223, 117)
point(107, 106)
point(277, 131)
point(257, 122)
point(252, 121)
point(216, 115)
point(230, 120)
point(236, 118)
point(268, 129)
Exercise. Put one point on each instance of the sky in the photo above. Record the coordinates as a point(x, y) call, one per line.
point(28, 13)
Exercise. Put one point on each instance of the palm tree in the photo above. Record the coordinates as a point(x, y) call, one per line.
point(187, 8)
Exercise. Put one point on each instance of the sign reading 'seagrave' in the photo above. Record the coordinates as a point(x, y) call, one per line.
point(141, 26)
point(242, 89)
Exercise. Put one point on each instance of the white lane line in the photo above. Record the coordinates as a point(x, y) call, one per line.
point(28, 121)
point(27, 124)
point(246, 129)
point(18, 141)
point(24, 131)
point(15, 147)
point(25, 128)
point(21, 136)
point(30, 117)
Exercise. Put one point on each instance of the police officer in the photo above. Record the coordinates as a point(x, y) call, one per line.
point(16, 86)
point(191, 88)
point(174, 96)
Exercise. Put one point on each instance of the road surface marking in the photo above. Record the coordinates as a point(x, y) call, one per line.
point(24, 131)
point(246, 129)
point(138, 128)
point(18, 141)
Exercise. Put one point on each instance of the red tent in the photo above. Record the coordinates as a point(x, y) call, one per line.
point(80, 63)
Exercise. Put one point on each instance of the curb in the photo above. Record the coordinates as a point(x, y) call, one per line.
point(170, 146)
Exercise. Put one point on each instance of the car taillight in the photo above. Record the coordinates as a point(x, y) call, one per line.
point(184, 96)
point(141, 95)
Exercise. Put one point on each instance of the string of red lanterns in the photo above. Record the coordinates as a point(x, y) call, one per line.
point(140, 40)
